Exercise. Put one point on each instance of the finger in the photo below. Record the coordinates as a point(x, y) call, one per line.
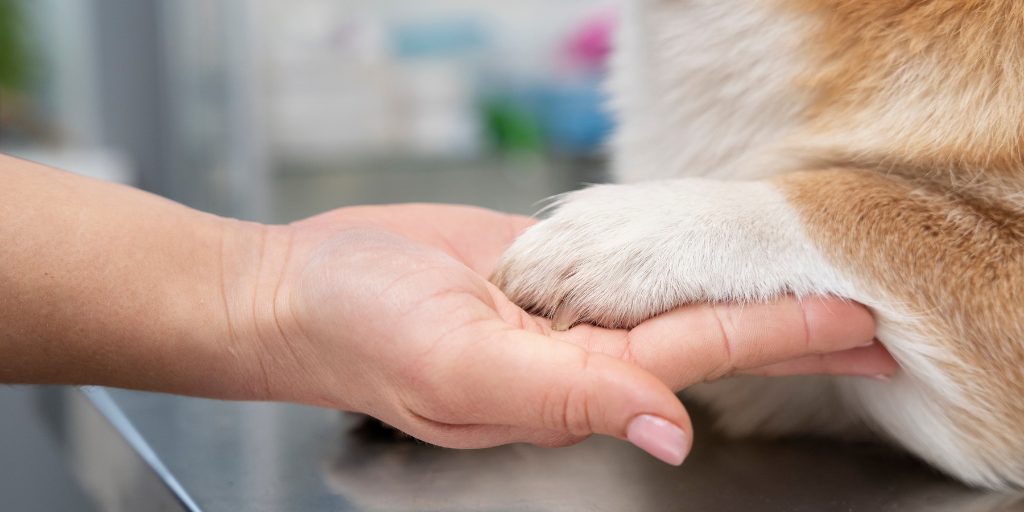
point(873, 361)
point(705, 342)
point(471, 437)
point(528, 380)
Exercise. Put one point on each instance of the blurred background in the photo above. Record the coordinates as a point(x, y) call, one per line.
point(274, 110)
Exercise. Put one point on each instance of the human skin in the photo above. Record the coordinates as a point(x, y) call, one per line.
point(382, 310)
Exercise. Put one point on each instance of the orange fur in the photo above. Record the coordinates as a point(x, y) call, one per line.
point(935, 83)
point(930, 96)
point(962, 266)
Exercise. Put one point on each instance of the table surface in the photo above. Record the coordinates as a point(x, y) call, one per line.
point(135, 451)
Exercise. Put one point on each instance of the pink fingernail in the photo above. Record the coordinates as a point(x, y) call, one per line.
point(868, 344)
point(658, 437)
point(880, 377)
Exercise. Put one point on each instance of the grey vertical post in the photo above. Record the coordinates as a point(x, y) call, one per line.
point(131, 86)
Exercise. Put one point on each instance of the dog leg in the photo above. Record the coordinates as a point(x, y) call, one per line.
point(940, 274)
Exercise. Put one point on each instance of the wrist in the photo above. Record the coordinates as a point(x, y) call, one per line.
point(107, 285)
point(254, 259)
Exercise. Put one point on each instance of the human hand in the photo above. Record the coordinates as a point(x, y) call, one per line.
point(382, 310)
point(385, 311)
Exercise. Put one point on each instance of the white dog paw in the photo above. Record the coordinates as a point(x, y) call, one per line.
point(616, 255)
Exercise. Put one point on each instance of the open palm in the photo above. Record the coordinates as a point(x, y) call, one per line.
point(386, 311)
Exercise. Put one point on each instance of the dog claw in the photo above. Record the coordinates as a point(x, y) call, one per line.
point(564, 318)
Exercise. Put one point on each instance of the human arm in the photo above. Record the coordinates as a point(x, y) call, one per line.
point(380, 310)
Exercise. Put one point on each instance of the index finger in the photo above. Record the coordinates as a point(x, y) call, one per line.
point(706, 342)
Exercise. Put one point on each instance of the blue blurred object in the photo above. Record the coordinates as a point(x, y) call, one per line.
point(438, 38)
point(574, 116)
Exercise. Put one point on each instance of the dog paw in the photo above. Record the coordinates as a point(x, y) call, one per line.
point(616, 255)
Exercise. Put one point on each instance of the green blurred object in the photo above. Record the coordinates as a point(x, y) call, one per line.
point(512, 127)
point(14, 62)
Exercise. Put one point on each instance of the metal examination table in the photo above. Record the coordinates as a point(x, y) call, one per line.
point(136, 451)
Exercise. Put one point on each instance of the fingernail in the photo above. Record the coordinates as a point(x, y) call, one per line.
point(658, 437)
point(868, 344)
point(880, 377)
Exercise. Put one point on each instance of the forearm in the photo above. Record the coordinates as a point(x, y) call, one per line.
point(107, 285)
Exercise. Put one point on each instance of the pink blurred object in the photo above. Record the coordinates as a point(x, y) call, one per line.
point(590, 44)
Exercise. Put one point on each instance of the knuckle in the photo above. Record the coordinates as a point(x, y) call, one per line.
point(577, 413)
point(805, 325)
point(569, 409)
point(628, 355)
point(726, 363)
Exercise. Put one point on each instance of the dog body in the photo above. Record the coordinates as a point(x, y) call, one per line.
point(870, 150)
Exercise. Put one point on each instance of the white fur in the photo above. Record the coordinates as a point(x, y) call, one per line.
point(615, 254)
point(703, 88)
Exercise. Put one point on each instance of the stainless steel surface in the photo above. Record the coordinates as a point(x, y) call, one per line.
point(142, 451)
point(109, 458)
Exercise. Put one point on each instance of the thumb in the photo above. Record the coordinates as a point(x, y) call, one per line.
point(524, 379)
